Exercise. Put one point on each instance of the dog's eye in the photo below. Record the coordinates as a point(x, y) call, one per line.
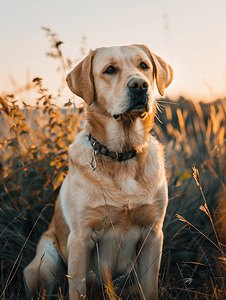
point(143, 65)
point(110, 70)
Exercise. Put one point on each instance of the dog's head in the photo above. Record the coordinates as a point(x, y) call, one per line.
point(120, 80)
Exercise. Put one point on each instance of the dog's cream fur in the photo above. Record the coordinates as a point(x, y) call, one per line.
point(109, 218)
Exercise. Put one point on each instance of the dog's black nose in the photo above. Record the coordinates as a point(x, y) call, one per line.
point(138, 85)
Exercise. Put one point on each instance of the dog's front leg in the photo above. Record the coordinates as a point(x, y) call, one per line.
point(79, 254)
point(149, 263)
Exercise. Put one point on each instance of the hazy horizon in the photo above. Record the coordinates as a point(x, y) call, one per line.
point(189, 35)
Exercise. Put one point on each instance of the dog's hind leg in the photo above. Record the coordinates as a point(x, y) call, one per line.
point(44, 268)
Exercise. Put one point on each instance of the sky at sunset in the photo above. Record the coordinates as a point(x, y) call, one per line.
point(189, 34)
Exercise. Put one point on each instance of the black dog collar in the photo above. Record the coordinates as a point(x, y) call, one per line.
point(114, 155)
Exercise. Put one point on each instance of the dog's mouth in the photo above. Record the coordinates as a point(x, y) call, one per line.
point(137, 110)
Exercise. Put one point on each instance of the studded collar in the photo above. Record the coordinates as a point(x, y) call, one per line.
point(114, 155)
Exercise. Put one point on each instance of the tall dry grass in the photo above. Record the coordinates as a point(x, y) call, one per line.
point(193, 265)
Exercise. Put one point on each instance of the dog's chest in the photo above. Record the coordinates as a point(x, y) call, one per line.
point(105, 218)
point(128, 186)
point(134, 189)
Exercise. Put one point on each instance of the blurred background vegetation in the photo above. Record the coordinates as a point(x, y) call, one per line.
point(34, 144)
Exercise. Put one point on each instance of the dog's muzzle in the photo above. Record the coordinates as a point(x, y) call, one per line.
point(138, 98)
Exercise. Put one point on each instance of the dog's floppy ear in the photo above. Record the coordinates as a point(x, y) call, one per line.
point(80, 79)
point(163, 71)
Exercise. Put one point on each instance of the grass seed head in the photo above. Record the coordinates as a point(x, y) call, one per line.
point(196, 176)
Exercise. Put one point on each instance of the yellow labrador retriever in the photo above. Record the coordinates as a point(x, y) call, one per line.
point(109, 214)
